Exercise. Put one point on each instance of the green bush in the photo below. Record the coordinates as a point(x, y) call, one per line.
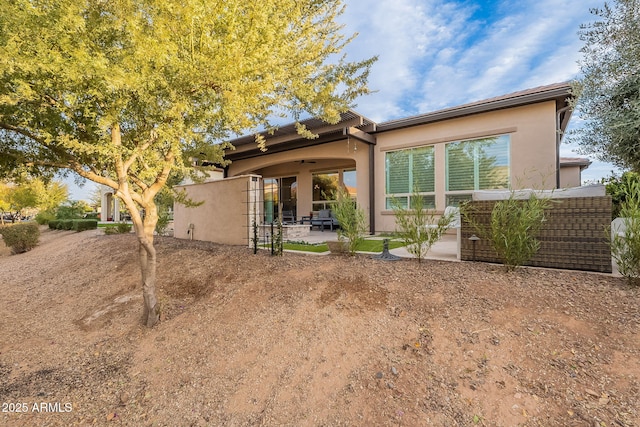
point(65, 224)
point(20, 237)
point(54, 224)
point(85, 224)
point(44, 217)
point(515, 225)
point(164, 218)
point(416, 226)
point(119, 228)
point(352, 220)
point(625, 243)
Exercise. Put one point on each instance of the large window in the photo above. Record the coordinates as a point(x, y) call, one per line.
point(479, 164)
point(409, 171)
point(325, 184)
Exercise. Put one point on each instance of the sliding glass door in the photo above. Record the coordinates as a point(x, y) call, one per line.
point(280, 193)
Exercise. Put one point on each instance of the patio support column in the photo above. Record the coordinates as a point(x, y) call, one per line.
point(372, 190)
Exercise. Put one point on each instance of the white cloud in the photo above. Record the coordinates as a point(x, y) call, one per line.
point(433, 55)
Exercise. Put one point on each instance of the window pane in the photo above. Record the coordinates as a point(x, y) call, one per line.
point(397, 164)
point(402, 202)
point(493, 163)
point(349, 181)
point(270, 199)
point(324, 185)
point(460, 166)
point(456, 199)
point(428, 202)
point(478, 164)
point(422, 170)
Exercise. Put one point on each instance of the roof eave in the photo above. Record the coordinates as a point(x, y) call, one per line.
point(559, 93)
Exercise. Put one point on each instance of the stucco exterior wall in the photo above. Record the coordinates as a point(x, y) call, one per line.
point(570, 176)
point(532, 149)
point(224, 217)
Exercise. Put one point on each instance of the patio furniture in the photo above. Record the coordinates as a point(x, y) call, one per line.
point(305, 219)
point(325, 217)
point(288, 217)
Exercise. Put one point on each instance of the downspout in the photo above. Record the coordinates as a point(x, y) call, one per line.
point(558, 140)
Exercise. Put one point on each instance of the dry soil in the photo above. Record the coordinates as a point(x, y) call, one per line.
point(303, 340)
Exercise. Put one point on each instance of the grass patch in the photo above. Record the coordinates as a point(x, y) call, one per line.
point(368, 245)
point(375, 245)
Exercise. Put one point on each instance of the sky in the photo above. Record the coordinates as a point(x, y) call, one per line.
point(435, 54)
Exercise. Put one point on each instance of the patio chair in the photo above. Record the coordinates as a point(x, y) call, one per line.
point(325, 217)
point(288, 217)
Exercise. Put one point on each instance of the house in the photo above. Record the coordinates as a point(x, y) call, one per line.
point(510, 141)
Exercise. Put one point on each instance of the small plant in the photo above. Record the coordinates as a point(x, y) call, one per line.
point(625, 242)
point(514, 228)
point(119, 228)
point(352, 220)
point(164, 218)
point(417, 227)
point(254, 238)
point(20, 237)
point(277, 245)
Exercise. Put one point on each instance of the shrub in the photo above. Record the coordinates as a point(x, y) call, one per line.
point(119, 228)
point(85, 224)
point(44, 217)
point(625, 243)
point(352, 220)
point(54, 224)
point(20, 237)
point(164, 218)
point(65, 224)
point(515, 225)
point(416, 226)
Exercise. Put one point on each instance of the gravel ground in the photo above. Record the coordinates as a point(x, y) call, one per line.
point(304, 340)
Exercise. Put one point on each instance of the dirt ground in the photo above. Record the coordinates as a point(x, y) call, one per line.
point(303, 340)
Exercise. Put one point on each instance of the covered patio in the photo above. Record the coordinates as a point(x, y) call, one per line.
point(299, 175)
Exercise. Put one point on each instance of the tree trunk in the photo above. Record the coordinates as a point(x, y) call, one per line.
point(151, 310)
point(145, 228)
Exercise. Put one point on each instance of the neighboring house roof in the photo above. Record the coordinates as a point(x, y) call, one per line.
point(582, 162)
point(357, 126)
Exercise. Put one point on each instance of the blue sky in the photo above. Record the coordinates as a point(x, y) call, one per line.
point(435, 54)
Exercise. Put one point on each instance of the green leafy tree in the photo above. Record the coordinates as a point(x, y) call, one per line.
point(619, 188)
point(124, 92)
point(610, 87)
point(16, 199)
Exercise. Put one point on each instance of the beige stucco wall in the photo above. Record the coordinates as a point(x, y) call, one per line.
point(344, 154)
point(532, 131)
point(224, 217)
point(570, 176)
point(532, 151)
